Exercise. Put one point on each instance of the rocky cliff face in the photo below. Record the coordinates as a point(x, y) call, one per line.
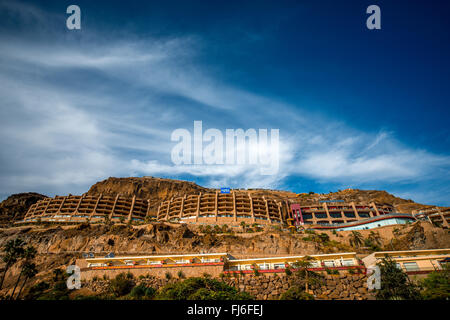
point(60, 246)
point(16, 206)
point(154, 238)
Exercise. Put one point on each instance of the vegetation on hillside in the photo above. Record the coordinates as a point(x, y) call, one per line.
point(201, 289)
point(396, 285)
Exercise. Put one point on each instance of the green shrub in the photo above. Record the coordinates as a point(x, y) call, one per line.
point(150, 292)
point(181, 275)
point(89, 297)
point(296, 293)
point(395, 284)
point(437, 285)
point(331, 271)
point(121, 285)
point(288, 271)
point(324, 237)
point(201, 289)
point(142, 292)
point(37, 290)
point(59, 291)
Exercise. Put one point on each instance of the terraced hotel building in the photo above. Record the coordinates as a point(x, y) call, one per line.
point(223, 208)
point(215, 208)
point(80, 208)
point(337, 212)
point(437, 215)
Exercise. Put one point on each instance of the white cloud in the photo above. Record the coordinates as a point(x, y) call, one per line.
point(77, 112)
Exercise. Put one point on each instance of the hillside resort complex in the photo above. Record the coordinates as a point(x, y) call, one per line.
point(413, 262)
point(232, 209)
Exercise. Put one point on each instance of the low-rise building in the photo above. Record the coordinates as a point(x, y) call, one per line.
point(412, 261)
point(319, 262)
point(156, 260)
point(189, 265)
point(197, 264)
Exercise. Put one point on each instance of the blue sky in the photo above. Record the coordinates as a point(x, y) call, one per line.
point(355, 107)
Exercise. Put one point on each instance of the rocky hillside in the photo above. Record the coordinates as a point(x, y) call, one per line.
point(16, 206)
point(59, 246)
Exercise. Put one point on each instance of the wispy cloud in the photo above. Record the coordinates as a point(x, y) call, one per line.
point(76, 112)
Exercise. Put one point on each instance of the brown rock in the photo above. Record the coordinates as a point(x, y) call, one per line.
point(362, 290)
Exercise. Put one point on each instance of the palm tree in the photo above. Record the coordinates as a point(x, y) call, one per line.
point(29, 271)
point(356, 239)
point(243, 225)
point(303, 265)
point(375, 238)
point(13, 250)
point(28, 254)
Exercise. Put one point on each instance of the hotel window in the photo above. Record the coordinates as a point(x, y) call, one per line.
point(349, 214)
point(335, 215)
point(182, 261)
point(363, 214)
point(411, 266)
point(329, 263)
point(398, 265)
point(278, 266)
point(315, 264)
point(348, 262)
point(263, 266)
